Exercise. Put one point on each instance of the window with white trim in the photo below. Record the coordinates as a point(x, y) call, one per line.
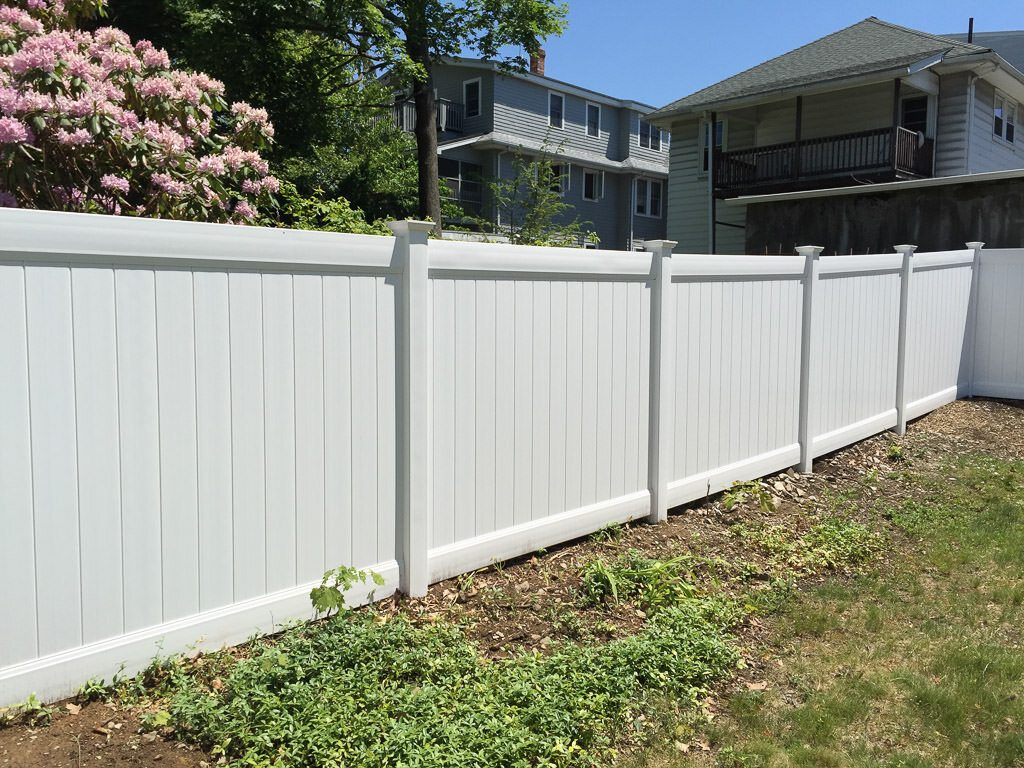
point(593, 119)
point(648, 198)
point(556, 107)
point(471, 97)
point(593, 185)
point(1004, 117)
point(560, 178)
point(650, 137)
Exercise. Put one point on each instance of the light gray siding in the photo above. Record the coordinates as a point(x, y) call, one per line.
point(448, 83)
point(687, 191)
point(521, 108)
point(989, 152)
point(633, 148)
point(951, 128)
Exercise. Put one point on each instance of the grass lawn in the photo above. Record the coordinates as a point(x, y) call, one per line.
point(919, 663)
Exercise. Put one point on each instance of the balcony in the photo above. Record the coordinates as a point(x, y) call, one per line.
point(449, 115)
point(885, 154)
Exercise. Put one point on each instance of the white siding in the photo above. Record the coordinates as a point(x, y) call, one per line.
point(951, 127)
point(687, 191)
point(989, 152)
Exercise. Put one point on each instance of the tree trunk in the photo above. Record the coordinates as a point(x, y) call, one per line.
point(426, 135)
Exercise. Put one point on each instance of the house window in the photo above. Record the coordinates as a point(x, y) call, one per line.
point(705, 130)
point(593, 119)
point(914, 115)
point(650, 137)
point(593, 185)
point(555, 107)
point(648, 198)
point(560, 178)
point(463, 183)
point(1004, 122)
point(471, 97)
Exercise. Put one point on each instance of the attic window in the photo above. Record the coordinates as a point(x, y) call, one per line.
point(1004, 121)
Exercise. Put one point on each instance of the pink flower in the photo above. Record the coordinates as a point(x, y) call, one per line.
point(244, 210)
point(163, 181)
point(154, 57)
point(155, 86)
point(212, 164)
point(14, 131)
point(110, 181)
point(271, 184)
point(76, 138)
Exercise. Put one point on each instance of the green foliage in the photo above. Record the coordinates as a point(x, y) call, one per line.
point(752, 490)
point(610, 532)
point(372, 692)
point(31, 712)
point(317, 212)
point(655, 584)
point(93, 689)
point(895, 454)
point(834, 542)
point(330, 595)
point(530, 207)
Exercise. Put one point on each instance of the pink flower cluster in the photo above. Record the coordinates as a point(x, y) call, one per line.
point(78, 108)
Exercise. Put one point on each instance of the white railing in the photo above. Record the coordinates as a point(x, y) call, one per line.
point(198, 420)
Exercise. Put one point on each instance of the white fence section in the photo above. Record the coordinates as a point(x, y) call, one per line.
point(999, 362)
point(197, 420)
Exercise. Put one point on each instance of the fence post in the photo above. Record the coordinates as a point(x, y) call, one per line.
point(812, 264)
point(972, 314)
point(906, 272)
point(659, 411)
point(414, 494)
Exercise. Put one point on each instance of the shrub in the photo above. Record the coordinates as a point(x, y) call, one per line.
point(91, 122)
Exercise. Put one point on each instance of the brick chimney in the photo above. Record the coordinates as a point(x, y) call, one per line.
point(537, 62)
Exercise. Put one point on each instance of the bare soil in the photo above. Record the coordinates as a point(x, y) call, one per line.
point(534, 601)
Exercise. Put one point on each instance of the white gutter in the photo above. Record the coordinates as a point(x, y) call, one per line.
point(869, 189)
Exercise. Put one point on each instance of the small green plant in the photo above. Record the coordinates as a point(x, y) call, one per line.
point(610, 532)
point(31, 712)
point(330, 595)
point(93, 689)
point(752, 490)
point(655, 584)
point(895, 454)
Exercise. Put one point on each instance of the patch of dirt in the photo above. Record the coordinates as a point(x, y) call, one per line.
point(98, 735)
point(535, 601)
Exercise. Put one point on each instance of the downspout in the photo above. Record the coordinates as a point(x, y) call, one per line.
point(970, 122)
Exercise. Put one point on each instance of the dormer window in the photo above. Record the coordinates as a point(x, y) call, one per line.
point(556, 105)
point(1004, 120)
point(650, 137)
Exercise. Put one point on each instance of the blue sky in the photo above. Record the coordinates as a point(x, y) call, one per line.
point(657, 51)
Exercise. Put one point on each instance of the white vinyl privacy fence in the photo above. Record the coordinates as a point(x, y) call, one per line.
point(196, 421)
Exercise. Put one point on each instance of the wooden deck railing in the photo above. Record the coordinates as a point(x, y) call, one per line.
point(450, 116)
point(895, 150)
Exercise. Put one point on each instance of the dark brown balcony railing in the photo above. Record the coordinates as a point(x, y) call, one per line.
point(890, 152)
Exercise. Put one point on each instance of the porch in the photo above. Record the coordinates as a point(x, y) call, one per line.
point(883, 154)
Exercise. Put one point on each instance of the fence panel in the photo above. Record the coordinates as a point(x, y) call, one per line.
point(540, 384)
point(999, 363)
point(854, 340)
point(937, 330)
point(184, 447)
point(736, 370)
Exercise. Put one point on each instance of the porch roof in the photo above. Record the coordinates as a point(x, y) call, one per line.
point(868, 47)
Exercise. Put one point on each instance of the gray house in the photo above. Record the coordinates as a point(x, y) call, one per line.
point(613, 164)
point(871, 107)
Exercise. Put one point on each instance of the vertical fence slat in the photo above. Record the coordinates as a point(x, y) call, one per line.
point(811, 254)
point(659, 431)
point(906, 275)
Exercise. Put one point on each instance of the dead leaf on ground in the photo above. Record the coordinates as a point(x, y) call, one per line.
point(74, 709)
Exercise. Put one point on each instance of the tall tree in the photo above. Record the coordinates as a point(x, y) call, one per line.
point(305, 59)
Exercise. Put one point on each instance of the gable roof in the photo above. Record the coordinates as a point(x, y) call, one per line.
point(1009, 45)
point(867, 47)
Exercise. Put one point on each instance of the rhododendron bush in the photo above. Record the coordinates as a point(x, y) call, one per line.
point(93, 122)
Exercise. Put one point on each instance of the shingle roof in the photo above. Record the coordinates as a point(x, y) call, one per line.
point(1009, 45)
point(864, 48)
